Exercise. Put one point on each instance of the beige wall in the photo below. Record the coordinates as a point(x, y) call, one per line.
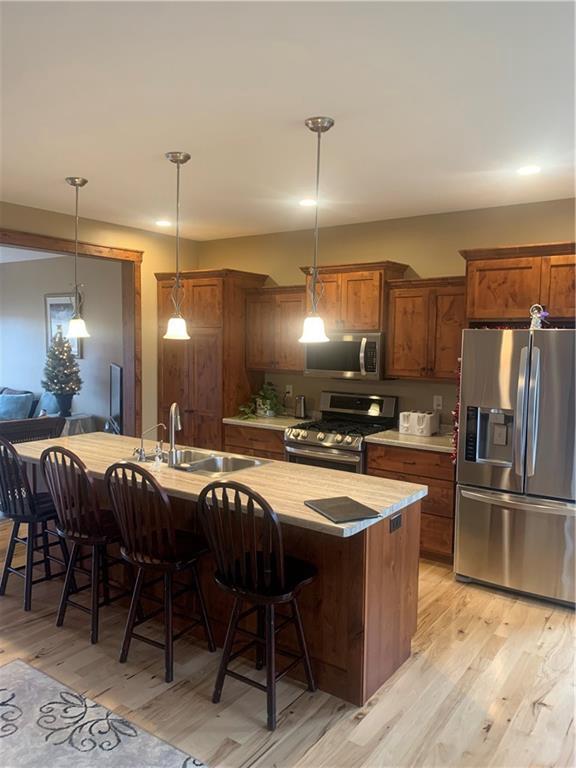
point(159, 253)
point(22, 318)
point(429, 244)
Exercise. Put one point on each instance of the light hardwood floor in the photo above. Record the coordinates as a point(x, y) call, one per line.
point(490, 683)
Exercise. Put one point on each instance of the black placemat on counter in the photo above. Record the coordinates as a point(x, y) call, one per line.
point(341, 509)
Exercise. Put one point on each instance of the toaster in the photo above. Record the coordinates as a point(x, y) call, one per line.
point(422, 423)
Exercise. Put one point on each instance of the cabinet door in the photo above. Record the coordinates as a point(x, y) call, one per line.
point(407, 347)
point(447, 309)
point(361, 300)
point(260, 320)
point(557, 291)
point(204, 302)
point(205, 376)
point(502, 289)
point(328, 292)
point(290, 311)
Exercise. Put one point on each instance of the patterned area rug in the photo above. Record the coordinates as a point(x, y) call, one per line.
point(43, 723)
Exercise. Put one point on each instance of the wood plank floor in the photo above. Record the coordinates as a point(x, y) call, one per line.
point(490, 683)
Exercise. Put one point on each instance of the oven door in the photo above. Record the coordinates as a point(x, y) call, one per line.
point(328, 458)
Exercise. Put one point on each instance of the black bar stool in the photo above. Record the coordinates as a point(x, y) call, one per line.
point(84, 523)
point(152, 543)
point(21, 505)
point(246, 538)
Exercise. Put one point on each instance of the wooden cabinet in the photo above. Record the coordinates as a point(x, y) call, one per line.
point(254, 441)
point(207, 374)
point(425, 323)
point(430, 468)
point(503, 283)
point(351, 297)
point(274, 318)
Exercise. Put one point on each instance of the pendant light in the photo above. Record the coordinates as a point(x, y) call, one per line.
point(313, 331)
point(177, 324)
point(77, 327)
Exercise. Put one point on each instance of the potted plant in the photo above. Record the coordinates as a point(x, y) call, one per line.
point(62, 373)
point(264, 403)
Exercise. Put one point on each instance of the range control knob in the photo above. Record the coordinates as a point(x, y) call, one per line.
point(303, 434)
point(321, 436)
point(295, 433)
point(348, 439)
point(338, 438)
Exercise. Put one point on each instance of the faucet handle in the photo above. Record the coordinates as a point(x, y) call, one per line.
point(139, 454)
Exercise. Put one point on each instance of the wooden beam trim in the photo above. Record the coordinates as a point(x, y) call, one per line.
point(61, 245)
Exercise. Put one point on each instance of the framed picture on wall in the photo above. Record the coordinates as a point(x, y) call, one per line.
point(59, 311)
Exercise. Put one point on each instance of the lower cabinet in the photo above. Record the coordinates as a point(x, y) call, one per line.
point(430, 468)
point(254, 441)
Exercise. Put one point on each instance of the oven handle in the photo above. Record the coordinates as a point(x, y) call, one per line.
point(363, 355)
point(324, 455)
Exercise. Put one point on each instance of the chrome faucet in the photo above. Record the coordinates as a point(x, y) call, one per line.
point(175, 426)
point(140, 453)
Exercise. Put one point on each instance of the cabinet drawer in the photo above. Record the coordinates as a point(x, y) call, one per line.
point(436, 535)
point(254, 439)
point(410, 461)
point(440, 498)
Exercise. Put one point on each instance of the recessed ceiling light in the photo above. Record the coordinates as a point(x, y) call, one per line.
point(308, 202)
point(528, 170)
point(162, 223)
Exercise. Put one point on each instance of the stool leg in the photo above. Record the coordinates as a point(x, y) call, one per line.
point(228, 643)
point(95, 593)
point(105, 574)
point(46, 551)
point(303, 646)
point(68, 583)
point(9, 556)
point(134, 603)
point(260, 631)
point(168, 631)
point(67, 557)
point(29, 574)
point(270, 667)
point(203, 611)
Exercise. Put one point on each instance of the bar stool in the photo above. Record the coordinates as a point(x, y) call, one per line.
point(84, 523)
point(151, 543)
point(246, 538)
point(21, 505)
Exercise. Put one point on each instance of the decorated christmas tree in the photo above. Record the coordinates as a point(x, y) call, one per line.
point(61, 372)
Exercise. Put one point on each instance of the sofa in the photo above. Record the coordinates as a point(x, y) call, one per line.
point(18, 404)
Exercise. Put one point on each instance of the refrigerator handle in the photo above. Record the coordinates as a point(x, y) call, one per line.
point(533, 409)
point(519, 423)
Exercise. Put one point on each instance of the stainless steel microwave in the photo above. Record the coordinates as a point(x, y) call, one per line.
point(346, 356)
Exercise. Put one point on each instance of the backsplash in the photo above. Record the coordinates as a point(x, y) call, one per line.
point(412, 395)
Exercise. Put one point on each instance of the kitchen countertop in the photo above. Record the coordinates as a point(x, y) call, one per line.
point(286, 486)
point(441, 443)
point(279, 423)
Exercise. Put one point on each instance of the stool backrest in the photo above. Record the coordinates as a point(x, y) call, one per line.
point(143, 513)
point(16, 498)
point(245, 536)
point(73, 493)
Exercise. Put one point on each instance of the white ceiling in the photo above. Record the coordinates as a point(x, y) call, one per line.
point(436, 105)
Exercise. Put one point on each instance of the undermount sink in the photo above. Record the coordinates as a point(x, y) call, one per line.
point(214, 466)
point(183, 456)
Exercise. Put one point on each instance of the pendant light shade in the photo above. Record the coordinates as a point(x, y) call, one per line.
point(77, 327)
point(313, 331)
point(176, 329)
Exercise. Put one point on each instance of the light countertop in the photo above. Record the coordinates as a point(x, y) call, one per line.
point(279, 423)
point(441, 443)
point(286, 486)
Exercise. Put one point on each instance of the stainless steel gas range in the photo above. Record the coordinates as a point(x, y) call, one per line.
point(337, 441)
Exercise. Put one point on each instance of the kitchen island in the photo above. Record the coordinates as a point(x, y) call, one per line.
point(360, 613)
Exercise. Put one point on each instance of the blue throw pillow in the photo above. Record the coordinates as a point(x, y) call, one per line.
point(47, 403)
point(15, 406)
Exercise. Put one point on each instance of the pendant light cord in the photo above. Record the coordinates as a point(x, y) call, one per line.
point(76, 291)
point(176, 300)
point(315, 297)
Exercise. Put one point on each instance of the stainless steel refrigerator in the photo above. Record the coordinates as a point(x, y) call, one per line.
point(515, 511)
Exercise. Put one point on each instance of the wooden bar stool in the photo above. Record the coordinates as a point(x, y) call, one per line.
point(151, 543)
point(245, 536)
point(21, 505)
point(84, 523)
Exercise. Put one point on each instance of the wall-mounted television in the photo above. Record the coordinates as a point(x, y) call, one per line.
point(116, 399)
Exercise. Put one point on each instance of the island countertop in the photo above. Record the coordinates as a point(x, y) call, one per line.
point(285, 486)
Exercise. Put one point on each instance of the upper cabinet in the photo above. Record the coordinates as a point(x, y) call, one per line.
point(351, 297)
point(425, 322)
point(274, 318)
point(503, 283)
